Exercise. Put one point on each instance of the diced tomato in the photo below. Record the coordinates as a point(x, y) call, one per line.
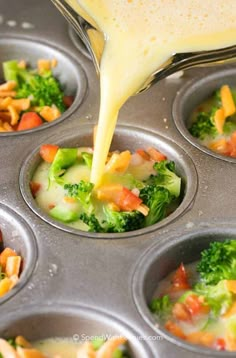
point(231, 146)
point(181, 312)
point(68, 100)
point(48, 152)
point(51, 206)
point(119, 195)
point(34, 187)
point(127, 200)
point(180, 280)
point(29, 120)
point(156, 155)
point(175, 329)
point(143, 154)
point(220, 344)
point(196, 305)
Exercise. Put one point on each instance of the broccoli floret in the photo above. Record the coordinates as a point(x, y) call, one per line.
point(115, 221)
point(161, 306)
point(166, 177)
point(218, 262)
point(122, 221)
point(64, 158)
point(204, 125)
point(82, 192)
point(43, 89)
point(92, 222)
point(157, 199)
point(88, 159)
point(218, 297)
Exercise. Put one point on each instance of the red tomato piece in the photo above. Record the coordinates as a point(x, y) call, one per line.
point(180, 312)
point(48, 152)
point(34, 187)
point(156, 155)
point(195, 305)
point(220, 344)
point(29, 120)
point(127, 201)
point(143, 154)
point(180, 280)
point(68, 100)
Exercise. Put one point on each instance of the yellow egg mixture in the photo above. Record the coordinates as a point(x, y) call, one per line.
point(140, 36)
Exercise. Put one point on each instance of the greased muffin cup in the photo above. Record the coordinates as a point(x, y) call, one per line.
point(70, 74)
point(18, 236)
point(77, 323)
point(192, 95)
point(136, 139)
point(162, 259)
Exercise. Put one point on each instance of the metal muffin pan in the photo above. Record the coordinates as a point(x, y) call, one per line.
point(69, 72)
point(161, 260)
point(18, 236)
point(192, 95)
point(123, 135)
point(72, 322)
point(86, 278)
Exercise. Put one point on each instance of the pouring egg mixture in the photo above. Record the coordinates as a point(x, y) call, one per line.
point(140, 36)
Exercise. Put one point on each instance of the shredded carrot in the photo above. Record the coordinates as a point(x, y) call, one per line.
point(13, 266)
point(118, 163)
point(227, 101)
point(219, 119)
point(21, 341)
point(7, 252)
point(5, 286)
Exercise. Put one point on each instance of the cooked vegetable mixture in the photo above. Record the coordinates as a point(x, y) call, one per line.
point(137, 190)
point(214, 122)
point(30, 97)
point(10, 268)
point(198, 303)
point(63, 348)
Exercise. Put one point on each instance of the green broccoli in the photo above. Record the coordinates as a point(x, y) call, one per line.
point(166, 177)
point(64, 158)
point(82, 192)
point(43, 89)
point(122, 221)
point(114, 221)
point(204, 125)
point(218, 262)
point(88, 159)
point(218, 297)
point(92, 222)
point(161, 306)
point(157, 198)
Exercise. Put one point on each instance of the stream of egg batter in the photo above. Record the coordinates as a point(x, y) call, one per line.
point(140, 36)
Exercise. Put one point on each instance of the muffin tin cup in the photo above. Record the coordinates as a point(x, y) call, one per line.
point(191, 95)
point(68, 71)
point(18, 236)
point(78, 323)
point(136, 138)
point(162, 259)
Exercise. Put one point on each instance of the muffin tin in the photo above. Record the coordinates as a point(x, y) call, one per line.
point(84, 283)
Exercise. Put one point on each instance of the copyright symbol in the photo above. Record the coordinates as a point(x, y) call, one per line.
point(75, 337)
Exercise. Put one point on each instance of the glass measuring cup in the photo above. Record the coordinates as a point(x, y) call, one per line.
point(94, 42)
